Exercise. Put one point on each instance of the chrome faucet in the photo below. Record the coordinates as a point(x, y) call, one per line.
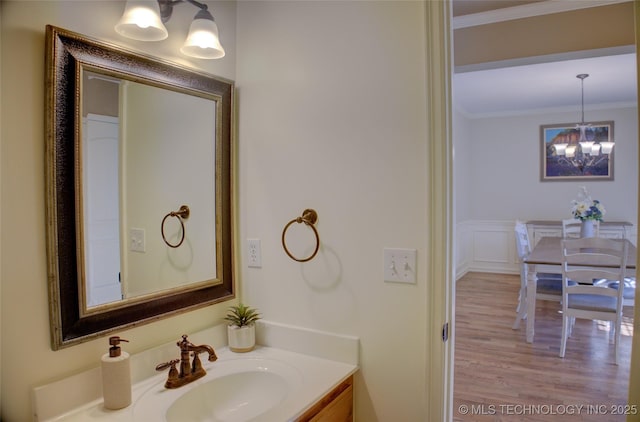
point(189, 370)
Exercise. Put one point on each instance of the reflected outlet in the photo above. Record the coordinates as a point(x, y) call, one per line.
point(136, 240)
point(254, 253)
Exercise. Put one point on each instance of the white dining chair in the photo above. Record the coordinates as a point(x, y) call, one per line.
point(629, 293)
point(585, 261)
point(549, 286)
point(571, 228)
point(523, 249)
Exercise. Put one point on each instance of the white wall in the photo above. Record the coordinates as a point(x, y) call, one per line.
point(27, 358)
point(332, 111)
point(504, 158)
point(463, 165)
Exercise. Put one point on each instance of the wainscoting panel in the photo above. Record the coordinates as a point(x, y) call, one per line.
point(493, 247)
point(490, 246)
point(486, 246)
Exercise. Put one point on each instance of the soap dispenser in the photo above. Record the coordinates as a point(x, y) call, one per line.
point(116, 376)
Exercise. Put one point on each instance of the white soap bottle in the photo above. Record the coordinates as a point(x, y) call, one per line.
point(116, 376)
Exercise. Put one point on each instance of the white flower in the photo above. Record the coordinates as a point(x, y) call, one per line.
point(585, 208)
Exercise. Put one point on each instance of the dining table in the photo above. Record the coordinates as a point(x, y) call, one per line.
point(546, 257)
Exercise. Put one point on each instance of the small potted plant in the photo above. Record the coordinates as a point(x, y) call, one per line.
point(241, 330)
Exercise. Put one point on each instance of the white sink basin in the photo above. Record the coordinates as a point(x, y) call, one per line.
point(236, 397)
point(235, 390)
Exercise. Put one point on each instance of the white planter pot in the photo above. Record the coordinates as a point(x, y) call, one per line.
point(241, 339)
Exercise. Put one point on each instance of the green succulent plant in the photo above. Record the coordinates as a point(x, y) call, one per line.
point(242, 315)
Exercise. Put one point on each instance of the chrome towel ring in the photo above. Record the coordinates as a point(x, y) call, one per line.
point(182, 213)
point(309, 217)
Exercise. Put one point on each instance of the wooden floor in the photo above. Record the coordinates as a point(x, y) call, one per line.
point(500, 377)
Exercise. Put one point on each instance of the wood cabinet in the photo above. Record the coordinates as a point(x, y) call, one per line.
point(336, 406)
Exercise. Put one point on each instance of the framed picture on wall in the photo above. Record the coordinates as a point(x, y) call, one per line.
point(565, 157)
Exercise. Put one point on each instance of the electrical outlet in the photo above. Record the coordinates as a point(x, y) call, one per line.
point(400, 265)
point(136, 240)
point(254, 253)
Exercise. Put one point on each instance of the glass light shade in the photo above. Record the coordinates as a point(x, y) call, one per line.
point(561, 149)
point(571, 151)
point(595, 150)
point(141, 21)
point(586, 147)
point(607, 147)
point(203, 41)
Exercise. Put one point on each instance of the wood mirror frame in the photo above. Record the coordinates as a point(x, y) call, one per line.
point(66, 54)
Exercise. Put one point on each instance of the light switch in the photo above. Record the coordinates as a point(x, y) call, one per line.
point(400, 265)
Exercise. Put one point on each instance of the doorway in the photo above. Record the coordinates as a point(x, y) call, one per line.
point(101, 209)
point(469, 201)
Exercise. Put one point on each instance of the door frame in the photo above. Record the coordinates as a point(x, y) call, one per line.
point(634, 375)
point(441, 300)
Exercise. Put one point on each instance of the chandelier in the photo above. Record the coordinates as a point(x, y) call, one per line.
point(582, 149)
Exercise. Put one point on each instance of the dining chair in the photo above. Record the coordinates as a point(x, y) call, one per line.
point(571, 228)
point(629, 293)
point(585, 261)
point(549, 286)
point(629, 282)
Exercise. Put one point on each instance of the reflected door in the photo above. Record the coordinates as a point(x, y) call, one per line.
point(101, 211)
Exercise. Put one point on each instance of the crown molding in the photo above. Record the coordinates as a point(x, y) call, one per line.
point(526, 11)
point(543, 110)
point(548, 58)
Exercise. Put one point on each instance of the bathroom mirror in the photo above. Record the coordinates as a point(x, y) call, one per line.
point(132, 139)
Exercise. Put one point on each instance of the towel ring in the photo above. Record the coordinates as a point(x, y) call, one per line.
point(182, 213)
point(309, 217)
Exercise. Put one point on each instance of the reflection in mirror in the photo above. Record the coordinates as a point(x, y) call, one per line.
point(136, 164)
point(130, 140)
point(100, 191)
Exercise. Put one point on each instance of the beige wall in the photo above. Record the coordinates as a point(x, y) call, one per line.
point(332, 117)
point(585, 29)
point(27, 358)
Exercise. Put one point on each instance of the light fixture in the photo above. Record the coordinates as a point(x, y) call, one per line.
point(586, 151)
point(141, 21)
point(202, 41)
point(144, 21)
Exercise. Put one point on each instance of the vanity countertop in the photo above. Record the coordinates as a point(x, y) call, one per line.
point(318, 377)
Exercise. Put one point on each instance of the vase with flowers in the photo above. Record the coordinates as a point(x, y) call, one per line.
point(587, 210)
